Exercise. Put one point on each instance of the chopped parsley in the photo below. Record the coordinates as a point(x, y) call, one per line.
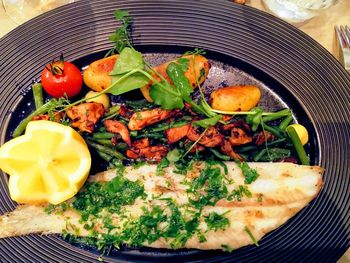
point(138, 164)
point(164, 163)
point(246, 229)
point(208, 188)
point(216, 221)
point(237, 194)
point(250, 174)
point(227, 248)
point(50, 209)
point(99, 202)
point(110, 195)
point(157, 222)
point(260, 198)
point(182, 166)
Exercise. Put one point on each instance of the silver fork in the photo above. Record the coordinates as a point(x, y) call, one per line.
point(343, 33)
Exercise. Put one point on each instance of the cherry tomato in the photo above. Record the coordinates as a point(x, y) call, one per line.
point(61, 78)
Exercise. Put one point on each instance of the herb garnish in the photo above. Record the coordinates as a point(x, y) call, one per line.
point(250, 174)
point(101, 202)
point(122, 34)
point(164, 163)
point(154, 223)
point(237, 194)
point(208, 188)
point(260, 198)
point(216, 221)
point(183, 166)
point(110, 196)
point(227, 248)
point(246, 229)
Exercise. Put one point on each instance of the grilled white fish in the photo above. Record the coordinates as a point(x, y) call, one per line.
point(280, 191)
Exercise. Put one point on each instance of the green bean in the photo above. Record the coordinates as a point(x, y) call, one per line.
point(101, 129)
point(102, 135)
point(299, 148)
point(38, 95)
point(187, 118)
point(133, 133)
point(159, 128)
point(150, 135)
point(271, 154)
point(139, 104)
point(255, 147)
point(277, 115)
point(219, 155)
point(108, 117)
point(276, 154)
point(105, 142)
point(278, 141)
point(105, 156)
point(113, 109)
point(42, 110)
point(254, 119)
point(112, 112)
point(108, 142)
point(248, 148)
point(273, 130)
point(244, 156)
point(259, 155)
point(121, 146)
point(283, 125)
point(124, 120)
point(106, 150)
point(166, 126)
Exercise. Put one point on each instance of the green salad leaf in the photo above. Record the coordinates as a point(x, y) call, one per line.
point(129, 61)
point(166, 96)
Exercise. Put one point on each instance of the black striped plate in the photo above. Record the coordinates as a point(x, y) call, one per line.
point(293, 65)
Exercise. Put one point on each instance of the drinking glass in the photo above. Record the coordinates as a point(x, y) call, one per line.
point(297, 11)
point(22, 10)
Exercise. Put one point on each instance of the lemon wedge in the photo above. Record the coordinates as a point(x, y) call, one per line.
point(49, 163)
point(302, 133)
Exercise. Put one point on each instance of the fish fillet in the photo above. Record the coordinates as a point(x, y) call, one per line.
point(281, 191)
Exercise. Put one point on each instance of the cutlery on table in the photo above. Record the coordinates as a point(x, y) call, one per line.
point(343, 33)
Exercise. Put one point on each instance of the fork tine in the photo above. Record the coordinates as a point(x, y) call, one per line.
point(346, 37)
point(340, 37)
point(347, 29)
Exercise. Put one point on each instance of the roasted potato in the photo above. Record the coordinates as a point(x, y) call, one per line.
point(235, 98)
point(102, 98)
point(97, 77)
point(201, 65)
